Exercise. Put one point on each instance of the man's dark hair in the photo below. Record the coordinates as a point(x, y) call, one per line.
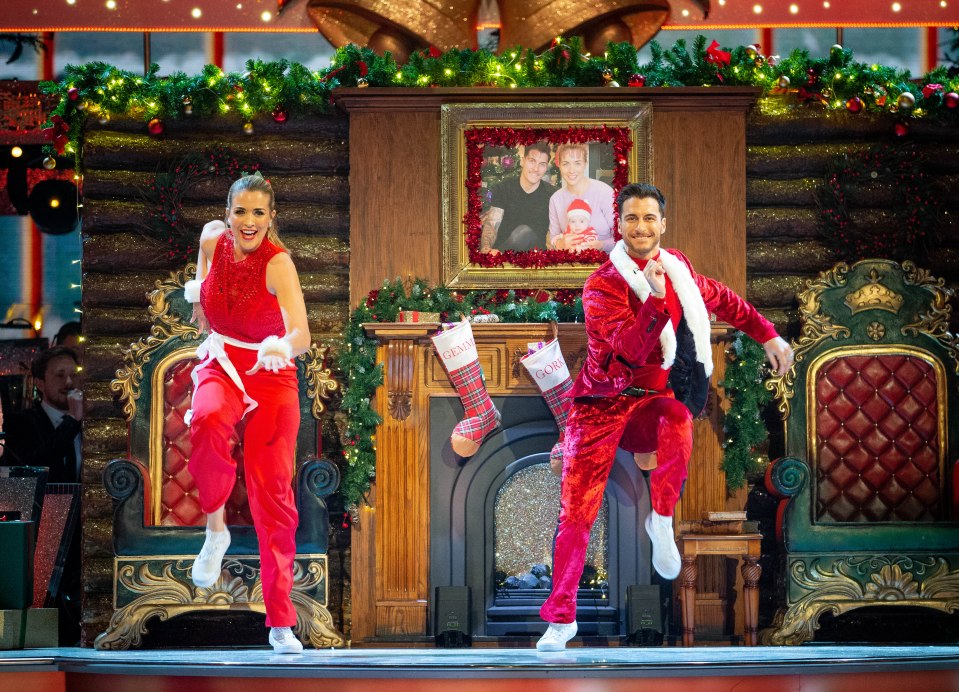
point(40, 364)
point(66, 331)
point(641, 190)
point(542, 147)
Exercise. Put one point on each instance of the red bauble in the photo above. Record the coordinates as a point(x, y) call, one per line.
point(637, 80)
point(155, 127)
point(279, 115)
point(901, 129)
point(951, 99)
point(854, 105)
point(73, 93)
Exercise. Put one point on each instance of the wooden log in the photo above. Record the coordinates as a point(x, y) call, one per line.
point(779, 256)
point(292, 187)
point(120, 321)
point(107, 252)
point(113, 216)
point(315, 126)
point(781, 222)
point(273, 152)
point(776, 291)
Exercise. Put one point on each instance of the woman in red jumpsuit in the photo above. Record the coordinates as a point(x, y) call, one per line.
point(248, 296)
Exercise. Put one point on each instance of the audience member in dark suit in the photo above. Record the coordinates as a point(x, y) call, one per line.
point(48, 434)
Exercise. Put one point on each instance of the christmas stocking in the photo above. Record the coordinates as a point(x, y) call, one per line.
point(547, 367)
point(457, 350)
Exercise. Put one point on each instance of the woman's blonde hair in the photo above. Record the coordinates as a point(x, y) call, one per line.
point(255, 182)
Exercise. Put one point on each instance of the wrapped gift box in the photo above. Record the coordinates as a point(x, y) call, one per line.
point(417, 316)
point(16, 577)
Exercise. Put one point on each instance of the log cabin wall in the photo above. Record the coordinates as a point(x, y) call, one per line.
point(786, 162)
point(307, 162)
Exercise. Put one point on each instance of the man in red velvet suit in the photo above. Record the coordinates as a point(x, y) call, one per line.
point(646, 312)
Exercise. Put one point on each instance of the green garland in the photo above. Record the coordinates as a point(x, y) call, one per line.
point(282, 88)
point(362, 375)
point(743, 427)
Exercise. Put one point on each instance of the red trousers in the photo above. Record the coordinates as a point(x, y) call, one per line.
point(269, 444)
point(594, 430)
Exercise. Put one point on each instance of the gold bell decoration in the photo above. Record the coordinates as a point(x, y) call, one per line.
point(403, 26)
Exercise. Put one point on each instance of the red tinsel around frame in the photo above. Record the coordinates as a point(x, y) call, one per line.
point(477, 138)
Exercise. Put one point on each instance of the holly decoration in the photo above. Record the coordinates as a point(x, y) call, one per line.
point(167, 229)
point(905, 229)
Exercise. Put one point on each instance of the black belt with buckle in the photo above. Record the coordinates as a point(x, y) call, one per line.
point(637, 391)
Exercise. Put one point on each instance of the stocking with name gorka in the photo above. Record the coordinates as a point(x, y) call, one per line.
point(456, 349)
point(547, 368)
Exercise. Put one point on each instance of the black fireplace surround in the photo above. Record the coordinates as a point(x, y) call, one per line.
point(462, 503)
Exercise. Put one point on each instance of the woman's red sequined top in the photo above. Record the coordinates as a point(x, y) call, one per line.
point(234, 295)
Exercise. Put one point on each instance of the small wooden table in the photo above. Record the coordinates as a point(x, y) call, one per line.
point(747, 546)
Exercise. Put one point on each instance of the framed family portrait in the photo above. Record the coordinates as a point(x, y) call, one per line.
point(529, 189)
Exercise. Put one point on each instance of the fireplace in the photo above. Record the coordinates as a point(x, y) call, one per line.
point(494, 515)
point(429, 520)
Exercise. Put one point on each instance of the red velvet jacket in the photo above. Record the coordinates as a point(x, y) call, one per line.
point(623, 331)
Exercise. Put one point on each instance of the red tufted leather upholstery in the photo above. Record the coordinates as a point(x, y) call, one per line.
point(178, 503)
point(877, 440)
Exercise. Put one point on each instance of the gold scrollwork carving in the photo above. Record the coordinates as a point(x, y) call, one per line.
point(320, 383)
point(897, 580)
point(166, 325)
point(935, 321)
point(161, 587)
point(815, 328)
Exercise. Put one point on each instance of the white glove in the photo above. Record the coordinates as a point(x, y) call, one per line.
point(274, 354)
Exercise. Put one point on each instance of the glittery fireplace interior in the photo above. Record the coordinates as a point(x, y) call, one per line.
point(493, 516)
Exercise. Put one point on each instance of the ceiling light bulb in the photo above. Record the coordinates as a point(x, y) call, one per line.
point(266, 16)
point(16, 152)
point(794, 9)
point(196, 12)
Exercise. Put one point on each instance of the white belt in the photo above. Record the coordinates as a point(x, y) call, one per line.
point(212, 350)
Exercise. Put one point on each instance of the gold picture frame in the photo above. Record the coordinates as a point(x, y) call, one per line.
point(482, 145)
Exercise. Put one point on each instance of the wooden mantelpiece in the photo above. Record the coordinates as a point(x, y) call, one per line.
point(698, 151)
point(390, 547)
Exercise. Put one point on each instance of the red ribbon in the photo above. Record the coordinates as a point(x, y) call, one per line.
point(716, 55)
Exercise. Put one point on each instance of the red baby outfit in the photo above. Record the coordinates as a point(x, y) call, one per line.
point(240, 309)
point(632, 343)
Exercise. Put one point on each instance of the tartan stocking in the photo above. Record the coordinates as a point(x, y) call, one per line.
point(547, 367)
point(457, 350)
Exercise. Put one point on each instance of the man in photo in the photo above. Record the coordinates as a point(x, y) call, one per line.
point(573, 162)
point(518, 216)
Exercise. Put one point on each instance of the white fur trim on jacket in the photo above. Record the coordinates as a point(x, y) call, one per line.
point(694, 309)
point(275, 346)
point(191, 290)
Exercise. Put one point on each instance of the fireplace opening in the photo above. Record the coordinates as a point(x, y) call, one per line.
point(493, 518)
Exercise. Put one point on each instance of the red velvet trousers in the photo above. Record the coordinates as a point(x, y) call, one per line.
point(269, 443)
point(595, 428)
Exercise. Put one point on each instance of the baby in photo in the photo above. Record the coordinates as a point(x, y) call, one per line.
point(579, 234)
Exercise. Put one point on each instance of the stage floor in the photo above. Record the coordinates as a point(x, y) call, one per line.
point(873, 668)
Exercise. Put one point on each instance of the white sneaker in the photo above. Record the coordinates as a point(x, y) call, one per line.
point(666, 558)
point(284, 641)
point(209, 563)
point(557, 634)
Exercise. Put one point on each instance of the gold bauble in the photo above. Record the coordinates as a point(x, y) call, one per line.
point(906, 101)
point(248, 128)
point(49, 163)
